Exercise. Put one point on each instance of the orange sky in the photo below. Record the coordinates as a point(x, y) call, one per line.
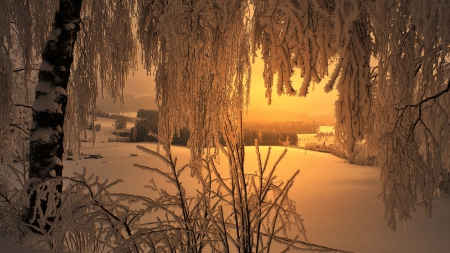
point(317, 102)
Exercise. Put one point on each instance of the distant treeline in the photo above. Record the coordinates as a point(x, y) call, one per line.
point(270, 138)
point(149, 123)
point(113, 116)
point(297, 127)
point(147, 114)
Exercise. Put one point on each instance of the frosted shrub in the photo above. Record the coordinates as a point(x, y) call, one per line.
point(360, 154)
point(85, 216)
point(10, 209)
point(231, 212)
point(227, 212)
point(12, 196)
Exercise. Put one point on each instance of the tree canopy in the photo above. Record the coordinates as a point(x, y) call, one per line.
point(388, 59)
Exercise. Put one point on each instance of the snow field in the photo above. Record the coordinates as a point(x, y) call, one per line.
point(337, 200)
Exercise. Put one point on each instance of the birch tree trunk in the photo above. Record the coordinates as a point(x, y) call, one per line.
point(46, 135)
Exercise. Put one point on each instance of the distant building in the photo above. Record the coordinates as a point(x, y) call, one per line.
point(325, 129)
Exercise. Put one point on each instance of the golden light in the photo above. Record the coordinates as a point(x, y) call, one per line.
point(287, 108)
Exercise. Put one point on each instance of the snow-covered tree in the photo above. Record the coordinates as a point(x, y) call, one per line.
point(25, 31)
point(24, 27)
point(411, 102)
point(46, 134)
point(201, 53)
point(22, 34)
point(398, 109)
point(201, 50)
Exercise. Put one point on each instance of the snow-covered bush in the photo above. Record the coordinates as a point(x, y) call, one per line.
point(12, 198)
point(121, 123)
point(10, 209)
point(236, 211)
point(85, 216)
point(318, 147)
point(360, 154)
point(246, 211)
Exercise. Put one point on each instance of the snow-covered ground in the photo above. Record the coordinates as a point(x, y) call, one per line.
point(337, 200)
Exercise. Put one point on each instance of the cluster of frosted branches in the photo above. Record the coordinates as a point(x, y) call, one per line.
point(23, 30)
point(327, 41)
point(305, 35)
point(85, 216)
point(104, 55)
point(411, 102)
point(201, 51)
point(11, 201)
point(203, 65)
point(351, 79)
point(411, 45)
point(228, 211)
point(308, 35)
point(401, 103)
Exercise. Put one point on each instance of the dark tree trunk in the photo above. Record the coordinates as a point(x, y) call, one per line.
point(46, 136)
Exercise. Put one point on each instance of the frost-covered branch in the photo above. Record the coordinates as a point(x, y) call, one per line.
point(422, 102)
point(410, 106)
point(301, 35)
